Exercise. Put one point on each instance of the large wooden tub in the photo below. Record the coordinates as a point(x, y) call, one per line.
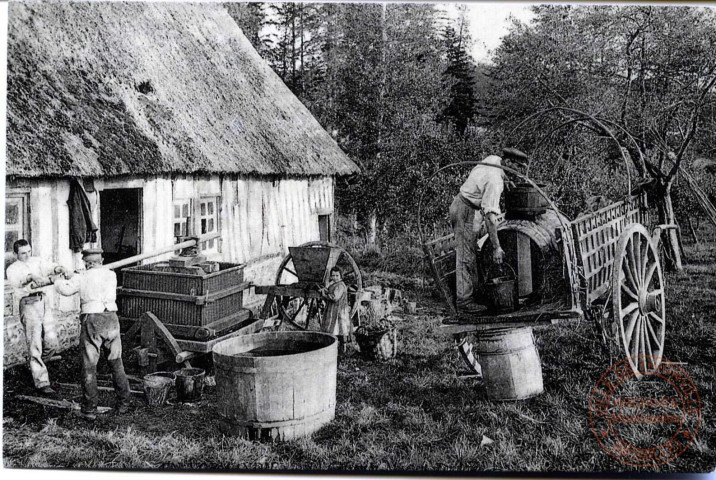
point(276, 385)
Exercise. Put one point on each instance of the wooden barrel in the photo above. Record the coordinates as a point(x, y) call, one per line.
point(524, 201)
point(510, 363)
point(533, 251)
point(276, 385)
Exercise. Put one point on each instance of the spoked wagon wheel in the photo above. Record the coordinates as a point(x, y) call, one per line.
point(304, 312)
point(638, 303)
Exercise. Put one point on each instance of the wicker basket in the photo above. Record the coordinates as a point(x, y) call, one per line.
point(377, 345)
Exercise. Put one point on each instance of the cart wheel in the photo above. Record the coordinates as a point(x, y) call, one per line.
point(305, 313)
point(302, 313)
point(463, 342)
point(638, 303)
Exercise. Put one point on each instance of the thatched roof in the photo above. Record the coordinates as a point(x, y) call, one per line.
point(104, 89)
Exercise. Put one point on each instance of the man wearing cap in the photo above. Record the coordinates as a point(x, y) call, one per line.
point(479, 198)
point(97, 287)
point(26, 276)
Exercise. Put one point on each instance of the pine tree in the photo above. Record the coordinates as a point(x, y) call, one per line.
point(459, 77)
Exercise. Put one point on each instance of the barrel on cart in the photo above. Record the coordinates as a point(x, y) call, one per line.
point(604, 266)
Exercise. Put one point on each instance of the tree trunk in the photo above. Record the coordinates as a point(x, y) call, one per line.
point(371, 243)
point(669, 237)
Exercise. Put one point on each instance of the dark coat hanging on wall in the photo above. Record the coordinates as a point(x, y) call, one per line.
point(82, 228)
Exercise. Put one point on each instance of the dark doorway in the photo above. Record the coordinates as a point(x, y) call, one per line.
point(324, 228)
point(120, 223)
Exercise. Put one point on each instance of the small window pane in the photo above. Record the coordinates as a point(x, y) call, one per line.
point(177, 211)
point(211, 243)
point(211, 225)
point(203, 209)
point(10, 238)
point(12, 214)
point(177, 229)
point(183, 229)
point(203, 225)
point(185, 210)
point(211, 208)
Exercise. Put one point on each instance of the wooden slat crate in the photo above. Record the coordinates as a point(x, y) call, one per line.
point(182, 299)
point(159, 277)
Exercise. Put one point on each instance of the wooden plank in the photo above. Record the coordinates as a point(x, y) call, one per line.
point(228, 322)
point(458, 328)
point(130, 292)
point(524, 264)
point(101, 388)
point(49, 402)
point(205, 347)
point(286, 291)
point(212, 297)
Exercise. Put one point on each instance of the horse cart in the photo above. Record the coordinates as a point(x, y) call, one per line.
point(603, 266)
point(295, 300)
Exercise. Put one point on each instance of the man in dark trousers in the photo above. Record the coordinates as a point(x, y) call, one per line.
point(97, 287)
point(478, 200)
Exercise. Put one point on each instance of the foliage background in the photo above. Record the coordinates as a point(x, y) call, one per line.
point(396, 87)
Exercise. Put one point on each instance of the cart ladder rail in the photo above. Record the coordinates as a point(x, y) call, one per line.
point(596, 236)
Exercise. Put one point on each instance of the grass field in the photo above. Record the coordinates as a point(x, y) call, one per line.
point(413, 413)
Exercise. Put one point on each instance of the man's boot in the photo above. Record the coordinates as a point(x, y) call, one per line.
point(90, 392)
point(121, 385)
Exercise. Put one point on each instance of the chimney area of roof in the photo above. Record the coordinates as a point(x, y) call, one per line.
point(145, 87)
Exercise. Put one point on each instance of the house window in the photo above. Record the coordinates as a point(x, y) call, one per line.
point(17, 219)
point(182, 209)
point(324, 228)
point(208, 221)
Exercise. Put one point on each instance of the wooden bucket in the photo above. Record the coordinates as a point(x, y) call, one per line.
point(510, 363)
point(501, 291)
point(157, 386)
point(276, 385)
point(378, 345)
point(189, 384)
point(524, 201)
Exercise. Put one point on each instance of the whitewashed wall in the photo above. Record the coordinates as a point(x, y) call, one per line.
point(259, 219)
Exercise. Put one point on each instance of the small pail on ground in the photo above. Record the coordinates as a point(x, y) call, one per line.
point(377, 345)
point(190, 384)
point(510, 363)
point(157, 386)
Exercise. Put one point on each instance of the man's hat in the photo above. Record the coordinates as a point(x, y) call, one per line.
point(90, 252)
point(515, 155)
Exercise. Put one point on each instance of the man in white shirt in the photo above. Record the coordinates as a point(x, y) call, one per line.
point(26, 275)
point(479, 198)
point(97, 287)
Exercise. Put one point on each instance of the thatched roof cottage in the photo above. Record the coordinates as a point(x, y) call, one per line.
point(169, 116)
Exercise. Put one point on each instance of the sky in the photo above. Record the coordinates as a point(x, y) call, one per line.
point(489, 22)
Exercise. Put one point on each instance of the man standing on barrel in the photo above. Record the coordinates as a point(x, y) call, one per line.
point(479, 199)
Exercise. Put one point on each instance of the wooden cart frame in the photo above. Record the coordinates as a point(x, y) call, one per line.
point(298, 303)
point(612, 265)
